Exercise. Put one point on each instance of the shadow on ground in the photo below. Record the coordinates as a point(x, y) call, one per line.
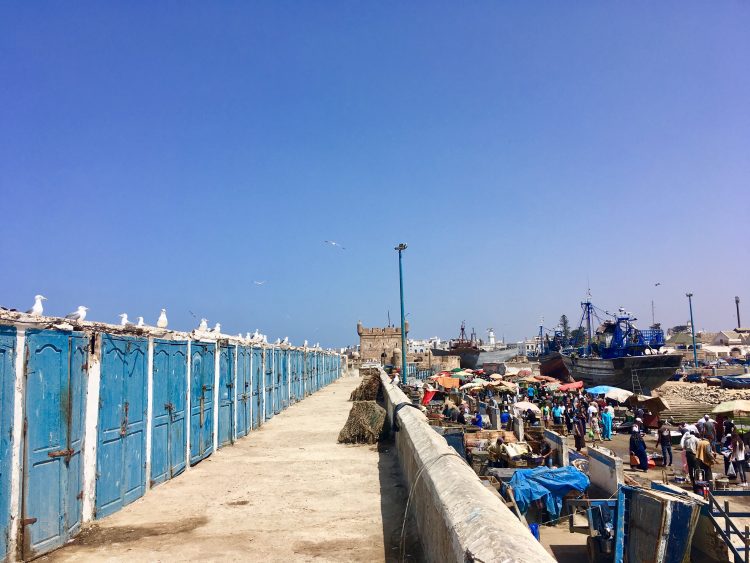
point(394, 493)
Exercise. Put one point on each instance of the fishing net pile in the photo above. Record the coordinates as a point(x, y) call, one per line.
point(364, 425)
point(368, 388)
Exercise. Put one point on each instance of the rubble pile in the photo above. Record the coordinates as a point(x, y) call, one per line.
point(701, 393)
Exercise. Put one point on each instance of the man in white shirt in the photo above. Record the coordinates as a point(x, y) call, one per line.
point(691, 448)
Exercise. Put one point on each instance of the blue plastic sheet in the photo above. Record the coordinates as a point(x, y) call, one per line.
point(548, 485)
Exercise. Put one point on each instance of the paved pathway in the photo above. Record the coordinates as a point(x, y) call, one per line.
point(288, 491)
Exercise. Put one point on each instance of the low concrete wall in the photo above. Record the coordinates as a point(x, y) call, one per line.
point(559, 444)
point(458, 518)
point(605, 471)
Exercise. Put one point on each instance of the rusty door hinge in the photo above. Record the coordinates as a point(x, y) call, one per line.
point(60, 453)
point(28, 521)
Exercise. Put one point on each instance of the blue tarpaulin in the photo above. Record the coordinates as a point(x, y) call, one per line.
point(548, 485)
point(600, 389)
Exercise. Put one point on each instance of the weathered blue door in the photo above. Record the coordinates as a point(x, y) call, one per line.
point(268, 364)
point(121, 449)
point(306, 373)
point(7, 381)
point(226, 395)
point(294, 376)
point(256, 364)
point(168, 422)
point(244, 380)
point(56, 366)
point(201, 401)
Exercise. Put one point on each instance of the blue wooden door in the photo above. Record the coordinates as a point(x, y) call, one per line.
point(168, 432)
point(226, 395)
point(201, 401)
point(256, 361)
point(268, 364)
point(56, 364)
point(294, 377)
point(7, 381)
point(244, 395)
point(121, 449)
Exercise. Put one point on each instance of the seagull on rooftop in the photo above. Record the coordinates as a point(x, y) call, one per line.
point(140, 321)
point(37, 309)
point(217, 328)
point(124, 320)
point(162, 322)
point(203, 326)
point(77, 315)
point(334, 243)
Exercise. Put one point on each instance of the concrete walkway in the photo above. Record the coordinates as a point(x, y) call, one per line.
point(288, 491)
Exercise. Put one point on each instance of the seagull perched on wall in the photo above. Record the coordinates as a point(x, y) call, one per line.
point(37, 309)
point(77, 315)
point(162, 322)
point(203, 327)
point(334, 243)
point(124, 320)
point(140, 322)
point(278, 341)
point(217, 328)
point(286, 340)
point(304, 345)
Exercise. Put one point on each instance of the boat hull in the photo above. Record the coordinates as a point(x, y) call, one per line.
point(652, 370)
point(552, 365)
point(469, 358)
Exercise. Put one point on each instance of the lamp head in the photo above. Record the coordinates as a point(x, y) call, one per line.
point(401, 247)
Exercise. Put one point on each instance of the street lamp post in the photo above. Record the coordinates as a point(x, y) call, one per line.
point(400, 248)
point(737, 305)
point(692, 329)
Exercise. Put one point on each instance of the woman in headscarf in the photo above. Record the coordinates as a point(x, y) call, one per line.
point(579, 431)
point(638, 449)
point(606, 424)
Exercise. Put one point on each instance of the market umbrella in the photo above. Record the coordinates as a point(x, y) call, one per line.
point(454, 370)
point(737, 408)
point(522, 406)
point(614, 393)
point(472, 385)
point(495, 376)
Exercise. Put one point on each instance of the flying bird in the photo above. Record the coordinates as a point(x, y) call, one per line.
point(78, 315)
point(334, 243)
point(37, 309)
point(140, 321)
point(657, 284)
point(259, 282)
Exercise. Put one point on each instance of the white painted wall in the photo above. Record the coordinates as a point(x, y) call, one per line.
point(16, 469)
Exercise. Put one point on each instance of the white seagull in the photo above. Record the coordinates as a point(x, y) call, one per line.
point(37, 309)
point(78, 315)
point(124, 320)
point(217, 328)
point(278, 341)
point(203, 327)
point(140, 321)
point(286, 340)
point(259, 282)
point(334, 243)
point(162, 322)
point(305, 344)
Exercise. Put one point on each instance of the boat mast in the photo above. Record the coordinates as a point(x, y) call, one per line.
point(588, 326)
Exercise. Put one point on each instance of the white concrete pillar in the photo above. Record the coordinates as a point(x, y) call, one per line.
point(90, 437)
point(263, 385)
point(149, 408)
point(17, 461)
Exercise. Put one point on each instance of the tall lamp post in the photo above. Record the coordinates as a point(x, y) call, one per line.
point(692, 329)
point(737, 304)
point(400, 248)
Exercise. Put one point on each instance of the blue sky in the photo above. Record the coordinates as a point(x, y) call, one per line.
point(170, 154)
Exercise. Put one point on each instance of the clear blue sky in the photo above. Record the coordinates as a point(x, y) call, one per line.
point(170, 154)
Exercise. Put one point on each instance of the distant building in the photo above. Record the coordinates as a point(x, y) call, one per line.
point(379, 344)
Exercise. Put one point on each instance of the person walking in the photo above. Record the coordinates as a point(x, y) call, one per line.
point(704, 453)
point(579, 431)
point(709, 431)
point(738, 457)
point(596, 432)
point(664, 439)
point(606, 424)
point(691, 449)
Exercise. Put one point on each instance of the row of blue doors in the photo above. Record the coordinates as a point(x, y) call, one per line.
point(56, 385)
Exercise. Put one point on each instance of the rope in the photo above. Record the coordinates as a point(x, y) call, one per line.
point(401, 546)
